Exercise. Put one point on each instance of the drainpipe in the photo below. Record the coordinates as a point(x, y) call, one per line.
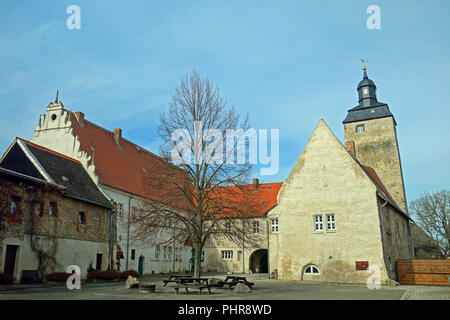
point(111, 212)
point(243, 248)
point(380, 214)
point(411, 242)
point(128, 230)
point(268, 251)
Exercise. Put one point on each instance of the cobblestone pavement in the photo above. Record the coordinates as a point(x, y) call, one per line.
point(264, 289)
point(426, 292)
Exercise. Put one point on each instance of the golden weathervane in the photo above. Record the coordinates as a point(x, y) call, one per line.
point(364, 65)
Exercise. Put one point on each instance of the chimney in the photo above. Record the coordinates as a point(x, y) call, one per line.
point(350, 145)
point(118, 134)
point(80, 116)
point(255, 183)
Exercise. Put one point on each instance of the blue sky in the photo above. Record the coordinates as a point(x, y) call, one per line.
point(286, 63)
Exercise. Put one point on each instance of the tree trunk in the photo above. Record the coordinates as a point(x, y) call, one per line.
point(197, 258)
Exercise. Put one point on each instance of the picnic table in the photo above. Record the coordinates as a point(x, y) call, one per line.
point(232, 281)
point(186, 282)
point(147, 286)
point(174, 278)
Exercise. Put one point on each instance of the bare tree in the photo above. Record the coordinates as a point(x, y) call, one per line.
point(199, 192)
point(432, 213)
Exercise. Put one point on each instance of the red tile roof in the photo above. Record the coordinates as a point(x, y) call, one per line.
point(121, 165)
point(255, 201)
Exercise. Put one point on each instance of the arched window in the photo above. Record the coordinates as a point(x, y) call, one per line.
point(311, 269)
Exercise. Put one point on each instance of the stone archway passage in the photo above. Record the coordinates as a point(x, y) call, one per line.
point(258, 261)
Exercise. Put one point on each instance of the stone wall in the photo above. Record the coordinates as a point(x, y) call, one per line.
point(377, 147)
point(396, 237)
point(59, 237)
point(242, 254)
point(326, 180)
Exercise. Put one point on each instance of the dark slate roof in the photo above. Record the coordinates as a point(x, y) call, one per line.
point(64, 171)
point(359, 113)
point(366, 82)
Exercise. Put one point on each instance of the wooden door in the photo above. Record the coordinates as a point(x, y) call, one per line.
point(99, 261)
point(141, 265)
point(10, 259)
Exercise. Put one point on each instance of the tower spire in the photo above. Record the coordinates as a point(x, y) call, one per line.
point(56, 99)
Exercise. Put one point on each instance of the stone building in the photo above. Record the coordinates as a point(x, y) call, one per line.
point(53, 214)
point(370, 131)
point(342, 210)
point(224, 255)
point(118, 167)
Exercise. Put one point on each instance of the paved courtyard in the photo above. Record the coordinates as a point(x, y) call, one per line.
point(264, 289)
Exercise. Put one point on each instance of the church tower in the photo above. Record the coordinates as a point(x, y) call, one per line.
point(370, 134)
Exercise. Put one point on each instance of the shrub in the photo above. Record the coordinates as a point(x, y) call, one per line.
point(133, 273)
point(103, 275)
point(58, 276)
point(6, 278)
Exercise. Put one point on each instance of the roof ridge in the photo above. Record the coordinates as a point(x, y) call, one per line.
point(122, 138)
point(48, 150)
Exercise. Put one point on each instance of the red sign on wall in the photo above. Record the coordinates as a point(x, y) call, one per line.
point(362, 265)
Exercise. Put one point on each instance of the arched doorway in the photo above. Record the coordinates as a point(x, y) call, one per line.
point(258, 261)
point(141, 265)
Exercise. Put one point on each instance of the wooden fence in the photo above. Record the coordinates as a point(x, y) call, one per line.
point(424, 272)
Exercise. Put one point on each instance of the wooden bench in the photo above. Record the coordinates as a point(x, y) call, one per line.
point(174, 278)
point(232, 281)
point(147, 287)
point(188, 286)
point(189, 282)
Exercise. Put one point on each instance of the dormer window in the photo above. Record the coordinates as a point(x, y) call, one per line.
point(360, 128)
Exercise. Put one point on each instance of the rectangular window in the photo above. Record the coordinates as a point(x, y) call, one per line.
point(331, 223)
point(133, 254)
point(255, 226)
point(82, 218)
point(274, 225)
point(318, 223)
point(37, 209)
point(120, 210)
point(360, 128)
point(157, 249)
point(227, 254)
point(15, 210)
point(169, 253)
point(164, 252)
point(52, 209)
point(177, 254)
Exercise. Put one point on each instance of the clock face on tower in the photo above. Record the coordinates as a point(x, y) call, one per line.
point(365, 91)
